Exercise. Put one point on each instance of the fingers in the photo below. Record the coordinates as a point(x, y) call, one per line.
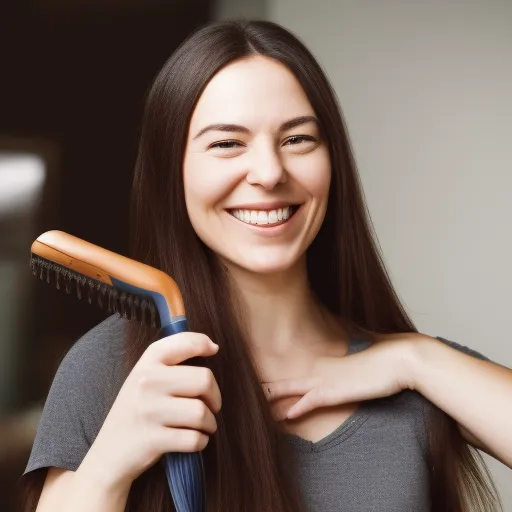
point(279, 408)
point(303, 406)
point(186, 382)
point(288, 388)
point(314, 399)
point(174, 350)
point(188, 413)
point(170, 439)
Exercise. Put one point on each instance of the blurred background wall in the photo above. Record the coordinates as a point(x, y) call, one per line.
point(73, 75)
point(424, 87)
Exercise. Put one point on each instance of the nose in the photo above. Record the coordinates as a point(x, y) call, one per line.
point(266, 168)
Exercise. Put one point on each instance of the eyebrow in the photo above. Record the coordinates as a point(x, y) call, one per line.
point(287, 125)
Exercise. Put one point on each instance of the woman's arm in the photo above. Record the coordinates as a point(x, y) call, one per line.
point(475, 393)
point(82, 491)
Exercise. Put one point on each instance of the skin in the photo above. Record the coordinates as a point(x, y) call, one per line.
point(266, 165)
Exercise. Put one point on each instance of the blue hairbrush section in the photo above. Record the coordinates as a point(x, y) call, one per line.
point(185, 478)
point(158, 298)
point(178, 324)
point(184, 471)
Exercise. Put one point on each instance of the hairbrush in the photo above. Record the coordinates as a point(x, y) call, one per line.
point(138, 292)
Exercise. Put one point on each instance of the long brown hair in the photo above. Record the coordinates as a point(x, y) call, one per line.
point(246, 460)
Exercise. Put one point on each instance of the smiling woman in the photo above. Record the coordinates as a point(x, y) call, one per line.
point(272, 162)
point(247, 194)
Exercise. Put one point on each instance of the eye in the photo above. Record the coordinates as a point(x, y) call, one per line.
point(300, 138)
point(295, 140)
point(225, 144)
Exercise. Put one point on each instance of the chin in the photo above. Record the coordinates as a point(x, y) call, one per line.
point(266, 269)
point(265, 264)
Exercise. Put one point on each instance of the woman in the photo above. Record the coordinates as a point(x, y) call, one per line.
point(317, 393)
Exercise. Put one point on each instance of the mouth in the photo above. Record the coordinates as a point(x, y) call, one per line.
point(265, 218)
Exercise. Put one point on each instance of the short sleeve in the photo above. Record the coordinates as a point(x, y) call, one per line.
point(82, 392)
point(464, 349)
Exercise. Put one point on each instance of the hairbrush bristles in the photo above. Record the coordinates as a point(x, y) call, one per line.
point(130, 306)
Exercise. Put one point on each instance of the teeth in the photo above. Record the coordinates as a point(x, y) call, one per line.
point(263, 217)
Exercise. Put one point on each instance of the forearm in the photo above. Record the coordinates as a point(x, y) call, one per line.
point(92, 490)
point(475, 393)
point(84, 496)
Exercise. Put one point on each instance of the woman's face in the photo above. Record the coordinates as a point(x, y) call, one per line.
point(256, 172)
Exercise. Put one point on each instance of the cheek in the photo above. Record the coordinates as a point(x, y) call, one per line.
point(206, 185)
point(315, 176)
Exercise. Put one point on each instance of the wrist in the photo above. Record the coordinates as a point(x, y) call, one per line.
point(419, 352)
point(94, 472)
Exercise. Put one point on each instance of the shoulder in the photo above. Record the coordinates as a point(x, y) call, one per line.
point(104, 339)
point(462, 348)
point(380, 337)
point(93, 366)
point(409, 406)
point(95, 360)
point(83, 390)
point(101, 345)
point(98, 350)
point(416, 404)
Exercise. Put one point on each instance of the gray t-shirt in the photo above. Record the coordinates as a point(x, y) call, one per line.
point(374, 462)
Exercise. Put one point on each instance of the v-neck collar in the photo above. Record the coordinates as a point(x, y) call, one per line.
point(347, 428)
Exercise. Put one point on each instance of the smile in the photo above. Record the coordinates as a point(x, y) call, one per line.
point(265, 218)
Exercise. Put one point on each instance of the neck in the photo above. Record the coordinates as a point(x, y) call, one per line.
point(285, 321)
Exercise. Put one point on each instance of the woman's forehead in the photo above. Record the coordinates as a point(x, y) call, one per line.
point(252, 91)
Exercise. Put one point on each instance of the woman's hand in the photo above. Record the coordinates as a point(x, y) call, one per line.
point(161, 407)
point(381, 370)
